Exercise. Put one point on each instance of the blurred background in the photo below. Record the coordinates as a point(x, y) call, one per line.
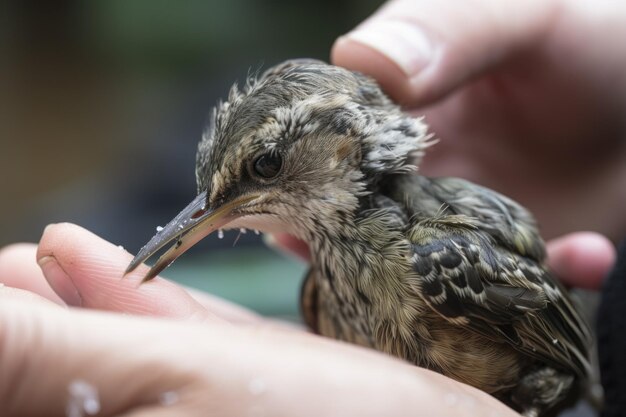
point(101, 107)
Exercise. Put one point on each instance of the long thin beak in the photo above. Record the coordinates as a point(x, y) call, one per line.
point(189, 227)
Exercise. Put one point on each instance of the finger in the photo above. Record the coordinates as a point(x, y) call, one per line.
point(45, 361)
point(222, 370)
point(581, 259)
point(24, 296)
point(421, 50)
point(19, 269)
point(287, 244)
point(85, 270)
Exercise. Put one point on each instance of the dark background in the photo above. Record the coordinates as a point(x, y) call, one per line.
point(102, 104)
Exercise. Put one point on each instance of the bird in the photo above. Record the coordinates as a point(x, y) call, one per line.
point(437, 271)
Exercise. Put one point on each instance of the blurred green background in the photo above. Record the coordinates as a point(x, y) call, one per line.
point(102, 104)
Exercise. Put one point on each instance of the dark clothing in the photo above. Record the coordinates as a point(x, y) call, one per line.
point(612, 338)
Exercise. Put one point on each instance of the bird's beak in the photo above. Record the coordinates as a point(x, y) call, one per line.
point(191, 225)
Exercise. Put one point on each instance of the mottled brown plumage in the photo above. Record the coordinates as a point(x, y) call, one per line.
point(441, 272)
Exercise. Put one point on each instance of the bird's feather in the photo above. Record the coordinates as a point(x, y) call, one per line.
point(481, 265)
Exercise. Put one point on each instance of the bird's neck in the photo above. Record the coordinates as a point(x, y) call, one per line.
point(359, 250)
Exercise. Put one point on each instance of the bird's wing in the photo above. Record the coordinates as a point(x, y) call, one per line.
point(506, 222)
point(470, 279)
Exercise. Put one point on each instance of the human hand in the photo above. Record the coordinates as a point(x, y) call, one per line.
point(526, 98)
point(198, 355)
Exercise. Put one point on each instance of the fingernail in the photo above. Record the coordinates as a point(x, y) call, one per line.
point(402, 42)
point(60, 282)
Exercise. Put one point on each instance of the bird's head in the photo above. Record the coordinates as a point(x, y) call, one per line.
point(292, 151)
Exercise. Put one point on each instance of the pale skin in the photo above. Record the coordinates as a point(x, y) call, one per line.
point(210, 351)
point(217, 357)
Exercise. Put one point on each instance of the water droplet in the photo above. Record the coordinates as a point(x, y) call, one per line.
point(220, 234)
point(92, 406)
point(243, 231)
point(169, 398)
point(159, 228)
point(555, 341)
point(120, 247)
point(83, 399)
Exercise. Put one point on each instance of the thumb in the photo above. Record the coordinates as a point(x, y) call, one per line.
point(421, 50)
point(87, 271)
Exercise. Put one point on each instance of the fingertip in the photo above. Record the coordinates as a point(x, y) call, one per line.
point(18, 269)
point(87, 270)
point(582, 259)
point(351, 53)
point(16, 261)
point(422, 51)
point(21, 295)
point(58, 236)
point(59, 281)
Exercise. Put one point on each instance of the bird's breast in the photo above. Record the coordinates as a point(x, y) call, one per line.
point(363, 291)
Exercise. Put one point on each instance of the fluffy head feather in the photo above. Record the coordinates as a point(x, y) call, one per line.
point(328, 124)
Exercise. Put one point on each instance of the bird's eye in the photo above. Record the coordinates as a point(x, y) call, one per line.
point(268, 165)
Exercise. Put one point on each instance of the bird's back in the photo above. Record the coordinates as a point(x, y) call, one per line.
point(480, 263)
point(494, 243)
point(474, 302)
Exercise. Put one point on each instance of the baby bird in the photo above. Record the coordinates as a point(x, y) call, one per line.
point(440, 272)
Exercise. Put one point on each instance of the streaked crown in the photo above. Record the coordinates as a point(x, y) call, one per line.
point(309, 111)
